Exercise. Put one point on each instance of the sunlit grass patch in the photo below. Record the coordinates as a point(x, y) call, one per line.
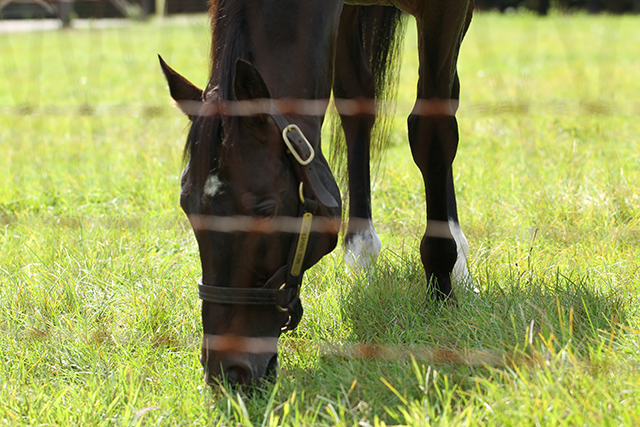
point(99, 317)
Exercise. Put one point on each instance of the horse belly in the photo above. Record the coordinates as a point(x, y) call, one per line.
point(409, 6)
point(371, 2)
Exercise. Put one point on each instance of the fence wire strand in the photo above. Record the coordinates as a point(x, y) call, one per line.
point(27, 100)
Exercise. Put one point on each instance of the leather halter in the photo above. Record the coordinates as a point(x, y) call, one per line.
point(283, 288)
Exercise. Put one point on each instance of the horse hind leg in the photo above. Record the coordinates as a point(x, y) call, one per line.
point(353, 80)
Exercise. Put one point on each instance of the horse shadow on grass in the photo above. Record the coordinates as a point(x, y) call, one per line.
point(398, 346)
point(388, 306)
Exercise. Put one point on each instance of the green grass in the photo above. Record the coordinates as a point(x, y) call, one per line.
point(99, 317)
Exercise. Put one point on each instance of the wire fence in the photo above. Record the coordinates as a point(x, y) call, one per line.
point(51, 55)
point(347, 107)
point(22, 96)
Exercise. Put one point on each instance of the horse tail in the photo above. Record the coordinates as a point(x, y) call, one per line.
point(381, 30)
point(383, 39)
point(382, 36)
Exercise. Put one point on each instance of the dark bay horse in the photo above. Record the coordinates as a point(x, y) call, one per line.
point(257, 189)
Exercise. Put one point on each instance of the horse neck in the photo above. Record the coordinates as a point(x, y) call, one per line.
point(291, 46)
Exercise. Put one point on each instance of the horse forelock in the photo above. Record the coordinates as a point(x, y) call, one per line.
point(203, 147)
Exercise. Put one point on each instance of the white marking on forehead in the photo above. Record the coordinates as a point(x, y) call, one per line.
point(212, 186)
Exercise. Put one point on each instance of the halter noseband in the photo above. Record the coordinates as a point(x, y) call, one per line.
point(282, 289)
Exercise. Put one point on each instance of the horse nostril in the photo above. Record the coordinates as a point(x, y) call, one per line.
point(272, 369)
point(239, 374)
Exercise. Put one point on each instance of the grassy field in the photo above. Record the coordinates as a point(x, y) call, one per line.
point(99, 318)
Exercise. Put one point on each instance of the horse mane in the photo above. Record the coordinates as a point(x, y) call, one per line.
point(206, 136)
point(228, 28)
point(382, 36)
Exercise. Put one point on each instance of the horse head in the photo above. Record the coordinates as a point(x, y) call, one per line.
point(264, 208)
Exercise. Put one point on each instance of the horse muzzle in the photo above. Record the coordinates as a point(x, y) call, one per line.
point(239, 361)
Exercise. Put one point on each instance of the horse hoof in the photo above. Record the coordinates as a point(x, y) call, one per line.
point(361, 250)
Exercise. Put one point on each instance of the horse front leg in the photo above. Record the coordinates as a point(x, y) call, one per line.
point(433, 133)
point(460, 274)
point(353, 80)
point(434, 140)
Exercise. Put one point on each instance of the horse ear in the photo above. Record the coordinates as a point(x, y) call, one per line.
point(186, 94)
point(248, 83)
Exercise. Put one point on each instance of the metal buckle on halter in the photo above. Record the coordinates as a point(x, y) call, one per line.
point(285, 136)
point(284, 310)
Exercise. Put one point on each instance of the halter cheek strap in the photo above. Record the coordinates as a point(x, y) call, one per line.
point(282, 289)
